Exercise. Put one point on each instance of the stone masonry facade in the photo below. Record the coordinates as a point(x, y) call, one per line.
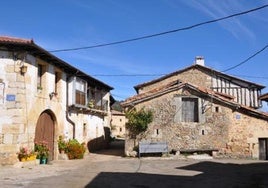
point(22, 102)
point(232, 131)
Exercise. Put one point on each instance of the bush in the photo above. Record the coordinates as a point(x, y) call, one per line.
point(75, 150)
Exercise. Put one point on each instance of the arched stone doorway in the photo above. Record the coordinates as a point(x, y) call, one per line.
point(45, 131)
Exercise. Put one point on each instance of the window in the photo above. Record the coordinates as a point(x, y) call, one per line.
point(190, 110)
point(40, 71)
point(57, 81)
point(80, 92)
point(84, 129)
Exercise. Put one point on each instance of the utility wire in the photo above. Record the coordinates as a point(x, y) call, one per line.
point(231, 68)
point(243, 62)
point(162, 33)
point(128, 75)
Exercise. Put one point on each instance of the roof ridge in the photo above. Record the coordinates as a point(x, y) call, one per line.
point(189, 67)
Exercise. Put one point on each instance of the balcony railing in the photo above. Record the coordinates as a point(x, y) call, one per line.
point(99, 105)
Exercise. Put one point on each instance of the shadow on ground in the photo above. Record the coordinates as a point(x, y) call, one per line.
point(115, 148)
point(211, 174)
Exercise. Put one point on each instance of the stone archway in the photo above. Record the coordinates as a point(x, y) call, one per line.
point(45, 131)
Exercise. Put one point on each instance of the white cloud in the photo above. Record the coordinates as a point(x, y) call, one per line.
point(236, 26)
point(123, 66)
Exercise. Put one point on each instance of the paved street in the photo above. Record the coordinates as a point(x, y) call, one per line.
point(109, 169)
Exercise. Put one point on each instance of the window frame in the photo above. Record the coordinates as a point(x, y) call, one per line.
point(190, 104)
point(40, 73)
point(80, 92)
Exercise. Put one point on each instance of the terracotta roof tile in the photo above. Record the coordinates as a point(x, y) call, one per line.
point(264, 97)
point(15, 40)
point(170, 87)
point(115, 112)
point(42, 53)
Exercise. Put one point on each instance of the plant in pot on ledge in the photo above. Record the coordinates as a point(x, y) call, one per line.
point(26, 154)
point(42, 152)
point(62, 144)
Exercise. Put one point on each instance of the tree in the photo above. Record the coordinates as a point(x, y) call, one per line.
point(116, 106)
point(138, 121)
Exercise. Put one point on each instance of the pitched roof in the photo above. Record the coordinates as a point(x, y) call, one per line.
point(200, 67)
point(18, 44)
point(173, 86)
point(118, 113)
point(264, 97)
point(6, 39)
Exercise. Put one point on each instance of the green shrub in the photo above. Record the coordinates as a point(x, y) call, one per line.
point(138, 120)
point(75, 150)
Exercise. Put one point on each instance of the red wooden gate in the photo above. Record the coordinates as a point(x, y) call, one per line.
point(44, 132)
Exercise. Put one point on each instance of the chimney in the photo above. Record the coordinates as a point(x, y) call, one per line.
point(199, 60)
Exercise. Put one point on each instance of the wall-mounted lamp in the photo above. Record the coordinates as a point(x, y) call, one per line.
point(23, 69)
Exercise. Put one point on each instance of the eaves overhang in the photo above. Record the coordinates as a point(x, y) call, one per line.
point(24, 45)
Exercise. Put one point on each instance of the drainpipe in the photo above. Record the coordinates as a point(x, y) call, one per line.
point(70, 121)
point(67, 110)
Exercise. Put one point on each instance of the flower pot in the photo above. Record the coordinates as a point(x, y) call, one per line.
point(23, 159)
point(43, 161)
point(31, 158)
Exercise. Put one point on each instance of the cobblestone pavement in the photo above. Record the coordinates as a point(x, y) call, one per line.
point(109, 169)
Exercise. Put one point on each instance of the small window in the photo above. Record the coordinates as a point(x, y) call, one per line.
point(57, 81)
point(217, 109)
point(84, 129)
point(80, 92)
point(40, 72)
point(190, 110)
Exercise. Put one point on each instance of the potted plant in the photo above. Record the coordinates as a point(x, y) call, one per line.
point(91, 103)
point(42, 152)
point(62, 145)
point(26, 154)
point(23, 154)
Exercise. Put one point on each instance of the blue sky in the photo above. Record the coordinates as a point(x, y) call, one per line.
point(61, 24)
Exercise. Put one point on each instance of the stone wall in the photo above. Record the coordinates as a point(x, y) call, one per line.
point(210, 133)
point(244, 134)
point(233, 133)
point(22, 104)
point(193, 76)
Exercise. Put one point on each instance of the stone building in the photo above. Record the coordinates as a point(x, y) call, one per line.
point(43, 97)
point(201, 109)
point(118, 122)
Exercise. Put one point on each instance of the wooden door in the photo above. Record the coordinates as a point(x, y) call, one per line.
point(44, 132)
point(263, 149)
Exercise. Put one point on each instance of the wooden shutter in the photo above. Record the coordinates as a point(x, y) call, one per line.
point(189, 109)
